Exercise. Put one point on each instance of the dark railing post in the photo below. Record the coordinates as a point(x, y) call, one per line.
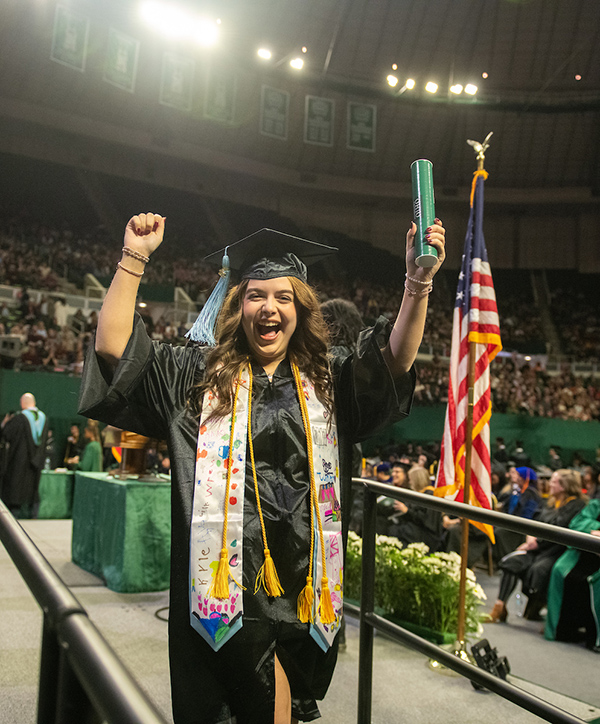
point(367, 603)
point(73, 704)
point(49, 666)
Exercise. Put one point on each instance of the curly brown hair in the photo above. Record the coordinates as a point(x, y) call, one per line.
point(308, 348)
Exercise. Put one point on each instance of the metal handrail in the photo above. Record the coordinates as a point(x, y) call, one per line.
point(80, 674)
point(369, 621)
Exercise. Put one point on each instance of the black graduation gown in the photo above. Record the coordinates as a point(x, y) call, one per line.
point(148, 394)
point(23, 462)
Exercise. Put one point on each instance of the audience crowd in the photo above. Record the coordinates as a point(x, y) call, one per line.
point(35, 256)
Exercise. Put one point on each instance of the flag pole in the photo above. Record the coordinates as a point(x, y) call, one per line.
point(464, 544)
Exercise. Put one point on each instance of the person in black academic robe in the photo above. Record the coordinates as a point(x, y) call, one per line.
point(23, 457)
point(135, 384)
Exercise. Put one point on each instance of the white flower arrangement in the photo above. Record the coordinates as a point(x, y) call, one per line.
point(415, 586)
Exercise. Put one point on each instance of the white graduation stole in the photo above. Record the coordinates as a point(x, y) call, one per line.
point(218, 620)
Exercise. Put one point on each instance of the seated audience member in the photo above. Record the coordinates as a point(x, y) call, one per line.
point(533, 560)
point(574, 589)
point(591, 482)
point(399, 476)
point(90, 460)
point(74, 448)
point(522, 500)
point(414, 523)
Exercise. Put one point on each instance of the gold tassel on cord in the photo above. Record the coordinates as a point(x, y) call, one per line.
point(220, 584)
point(305, 602)
point(267, 577)
point(325, 606)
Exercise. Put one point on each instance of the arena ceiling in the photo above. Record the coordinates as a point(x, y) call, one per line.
point(545, 122)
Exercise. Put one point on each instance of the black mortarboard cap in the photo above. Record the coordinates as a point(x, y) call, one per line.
point(266, 254)
point(269, 254)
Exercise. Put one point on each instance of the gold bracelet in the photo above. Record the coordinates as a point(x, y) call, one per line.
point(135, 254)
point(129, 271)
point(417, 281)
point(420, 292)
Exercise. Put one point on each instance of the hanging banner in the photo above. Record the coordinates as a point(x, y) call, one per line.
point(274, 111)
point(70, 38)
point(120, 68)
point(176, 82)
point(219, 99)
point(318, 121)
point(361, 126)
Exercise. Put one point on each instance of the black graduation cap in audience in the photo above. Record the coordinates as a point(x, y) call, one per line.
point(266, 254)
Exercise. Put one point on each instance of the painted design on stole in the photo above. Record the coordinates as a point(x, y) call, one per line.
point(216, 620)
point(326, 466)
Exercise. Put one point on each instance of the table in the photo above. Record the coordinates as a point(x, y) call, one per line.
point(122, 531)
point(56, 494)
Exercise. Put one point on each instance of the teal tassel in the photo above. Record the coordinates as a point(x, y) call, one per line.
point(203, 329)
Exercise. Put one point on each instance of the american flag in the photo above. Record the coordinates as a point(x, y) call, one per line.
point(475, 320)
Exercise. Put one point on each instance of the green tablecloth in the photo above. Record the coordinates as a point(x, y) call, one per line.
point(122, 531)
point(56, 494)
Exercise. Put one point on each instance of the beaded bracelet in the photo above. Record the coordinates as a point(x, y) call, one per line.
point(420, 292)
point(135, 254)
point(418, 281)
point(129, 271)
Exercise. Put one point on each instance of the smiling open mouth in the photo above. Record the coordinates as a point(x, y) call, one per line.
point(269, 330)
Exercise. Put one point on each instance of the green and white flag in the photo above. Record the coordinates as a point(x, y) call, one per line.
point(318, 121)
point(120, 68)
point(219, 99)
point(70, 38)
point(362, 119)
point(177, 81)
point(274, 111)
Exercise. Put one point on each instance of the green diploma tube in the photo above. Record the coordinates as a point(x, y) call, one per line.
point(421, 172)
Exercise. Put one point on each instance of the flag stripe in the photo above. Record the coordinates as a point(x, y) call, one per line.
point(476, 321)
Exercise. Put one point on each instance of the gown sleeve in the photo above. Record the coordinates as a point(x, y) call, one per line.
point(367, 397)
point(149, 386)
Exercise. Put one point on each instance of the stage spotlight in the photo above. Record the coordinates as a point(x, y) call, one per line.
point(264, 53)
point(470, 89)
point(392, 80)
point(457, 89)
point(170, 21)
point(297, 63)
point(410, 84)
point(205, 32)
point(431, 87)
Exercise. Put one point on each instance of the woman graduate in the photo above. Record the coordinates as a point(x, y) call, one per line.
point(260, 432)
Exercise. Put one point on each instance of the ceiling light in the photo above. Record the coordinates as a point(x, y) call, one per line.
point(143, 305)
point(176, 23)
point(470, 89)
point(205, 32)
point(171, 21)
point(264, 53)
point(410, 84)
point(297, 63)
point(392, 80)
point(578, 77)
point(484, 75)
point(431, 87)
point(304, 49)
point(394, 66)
point(457, 89)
